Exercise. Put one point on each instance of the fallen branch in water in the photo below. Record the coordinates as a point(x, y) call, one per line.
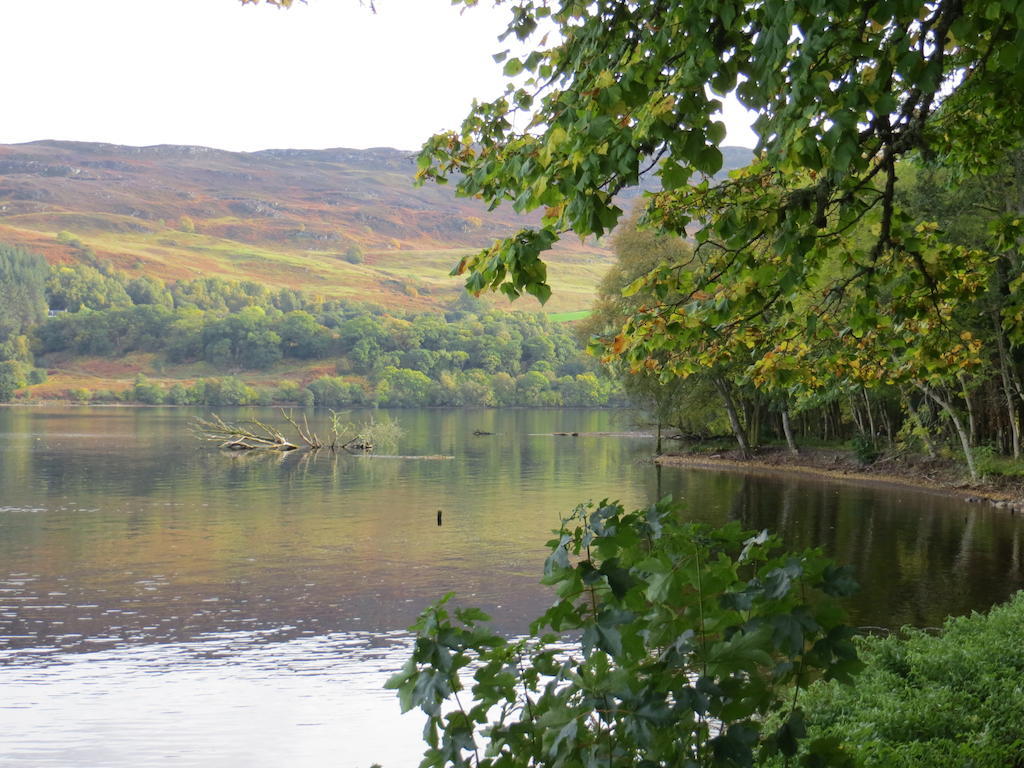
point(249, 435)
point(306, 435)
point(254, 435)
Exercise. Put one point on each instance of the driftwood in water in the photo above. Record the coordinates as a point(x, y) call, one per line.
point(305, 434)
point(254, 435)
point(358, 445)
point(250, 435)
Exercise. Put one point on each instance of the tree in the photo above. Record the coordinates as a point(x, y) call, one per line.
point(669, 399)
point(841, 89)
point(149, 290)
point(403, 387)
point(22, 291)
point(13, 376)
point(668, 645)
point(354, 255)
point(302, 336)
point(80, 286)
point(811, 229)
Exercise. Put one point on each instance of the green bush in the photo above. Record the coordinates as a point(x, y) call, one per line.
point(178, 395)
point(991, 464)
point(924, 700)
point(80, 395)
point(13, 375)
point(335, 392)
point(145, 391)
point(288, 392)
point(865, 449)
point(668, 645)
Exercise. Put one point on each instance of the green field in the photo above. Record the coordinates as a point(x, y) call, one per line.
point(568, 317)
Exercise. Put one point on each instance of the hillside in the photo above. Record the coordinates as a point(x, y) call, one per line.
point(285, 218)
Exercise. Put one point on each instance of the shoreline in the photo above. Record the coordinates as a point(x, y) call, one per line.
point(834, 467)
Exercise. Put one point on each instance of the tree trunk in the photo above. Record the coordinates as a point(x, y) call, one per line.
point(658, 448)
point(754, 424)
point(958, 425)
point(871, 418)
point(972, 430)
point(789, 433)
point(734, 420)
point(856, 417)
point(1004, 372)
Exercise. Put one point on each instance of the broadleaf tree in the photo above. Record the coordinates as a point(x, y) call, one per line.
point(806, 256)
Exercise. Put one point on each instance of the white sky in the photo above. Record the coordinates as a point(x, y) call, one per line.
point(215, 73)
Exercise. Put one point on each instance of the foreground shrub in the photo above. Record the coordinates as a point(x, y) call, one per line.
point(956, 699)
point(669, 644)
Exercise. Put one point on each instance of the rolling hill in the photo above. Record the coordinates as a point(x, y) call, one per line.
point(286, 218)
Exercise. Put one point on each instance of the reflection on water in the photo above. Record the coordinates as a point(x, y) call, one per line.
point(163, 603)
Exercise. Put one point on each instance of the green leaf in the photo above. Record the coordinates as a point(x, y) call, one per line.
point(709, 160)
point(512, 67)
point(542, 291)
point(673, 175)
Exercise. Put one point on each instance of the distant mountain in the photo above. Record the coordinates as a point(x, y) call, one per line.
point(286, 217)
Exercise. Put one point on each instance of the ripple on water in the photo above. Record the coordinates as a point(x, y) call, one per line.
point(228, 699)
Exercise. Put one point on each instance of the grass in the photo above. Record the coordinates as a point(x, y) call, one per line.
point(385, 278)
point(116, 375)
point(568, 317)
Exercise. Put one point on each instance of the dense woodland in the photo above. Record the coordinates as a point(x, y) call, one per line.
point(469, 355)
point(948, 384)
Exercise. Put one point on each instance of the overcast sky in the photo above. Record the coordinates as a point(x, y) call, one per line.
point(215, 73)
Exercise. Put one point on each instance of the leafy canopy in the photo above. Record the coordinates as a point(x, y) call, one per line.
point(808, 244)
point(841, 89)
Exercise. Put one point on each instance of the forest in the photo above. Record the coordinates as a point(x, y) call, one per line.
point(468, 355)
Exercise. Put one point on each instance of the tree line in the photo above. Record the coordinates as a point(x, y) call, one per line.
point(871, 351)
point(469, 355)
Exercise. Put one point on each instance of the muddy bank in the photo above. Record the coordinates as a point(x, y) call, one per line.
point(835, 465)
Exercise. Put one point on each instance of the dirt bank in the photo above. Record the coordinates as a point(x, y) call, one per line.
point(835, 465)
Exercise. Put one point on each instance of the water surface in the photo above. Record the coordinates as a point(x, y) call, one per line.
point(162, 603)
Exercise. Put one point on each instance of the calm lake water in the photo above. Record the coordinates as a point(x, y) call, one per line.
point(162, 603)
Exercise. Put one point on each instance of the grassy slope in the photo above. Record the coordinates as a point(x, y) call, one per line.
point(283, 218)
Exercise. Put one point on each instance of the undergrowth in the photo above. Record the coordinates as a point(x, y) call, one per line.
point(923, 700)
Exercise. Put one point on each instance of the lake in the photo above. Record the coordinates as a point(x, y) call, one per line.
point(163, 603)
